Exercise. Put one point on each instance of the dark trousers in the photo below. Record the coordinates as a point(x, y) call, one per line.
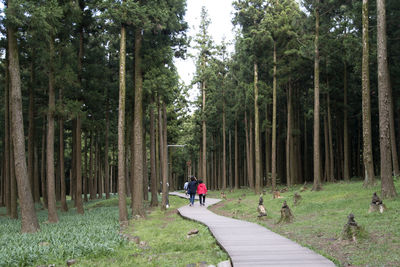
point(192, 196)
point(202, 198)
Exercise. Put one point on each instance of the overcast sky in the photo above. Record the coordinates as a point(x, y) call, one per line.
point(220, 15)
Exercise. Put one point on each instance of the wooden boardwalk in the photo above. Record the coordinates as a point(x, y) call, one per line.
point(249, 244)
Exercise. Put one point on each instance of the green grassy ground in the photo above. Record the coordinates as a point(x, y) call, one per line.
point(95, 240)
point(320, 217)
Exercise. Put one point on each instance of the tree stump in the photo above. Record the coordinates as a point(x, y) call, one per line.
point(286, 214)
point(261, 209)
point(296, 199)
point(277, 194)
point(376, 204)
point(351, 230)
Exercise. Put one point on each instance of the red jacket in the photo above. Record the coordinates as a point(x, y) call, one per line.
point(201, 189)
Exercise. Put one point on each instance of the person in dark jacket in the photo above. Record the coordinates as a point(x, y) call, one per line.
point(192, 188)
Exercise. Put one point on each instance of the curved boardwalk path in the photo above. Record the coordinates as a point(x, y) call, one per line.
point(249, 244)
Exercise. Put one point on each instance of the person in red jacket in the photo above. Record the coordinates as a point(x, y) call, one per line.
point(202, 191)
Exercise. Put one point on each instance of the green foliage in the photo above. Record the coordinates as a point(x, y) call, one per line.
point(95, 233)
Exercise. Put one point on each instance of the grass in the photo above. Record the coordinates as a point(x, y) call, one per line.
point(94, 239)
point(164, 242)
point(320, 217)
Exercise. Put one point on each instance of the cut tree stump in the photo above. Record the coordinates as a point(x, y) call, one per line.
point(351, 230)
point(376, 204)
point(261, 209)
point(286, 214)
point(277, 194)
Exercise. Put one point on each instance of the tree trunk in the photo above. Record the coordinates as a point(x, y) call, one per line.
point(36, 191)
point(326, 143)
point(91, 167)
point(64, 206)
point(236, 156)
point(51, 196)
point(13, 185)
point(387, 184)
point(85, 174)
point(273, 146)
point(78, 151)
point(29, 222)
point(346, 160)
point(251, 154)
point(248, 157)
point(317, 160)
point(305, 150)
point(331, 176)
point(137, 194)
point(31, 129)
point(164, 157)
point(43, 165)
point(257, 142)
point(223, 146)
point(153, 174)
point(368, 161)
point(123, 213)
point(204, 131)
point(230, 160)
point(267, 149)
point(289, 178)
point(145, 169)
point(106, 164)
point(7, 141)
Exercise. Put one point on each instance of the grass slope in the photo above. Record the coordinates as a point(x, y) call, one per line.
point(320, 217)
point(94, 239)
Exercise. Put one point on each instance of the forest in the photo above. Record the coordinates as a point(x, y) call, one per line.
point(93, 105)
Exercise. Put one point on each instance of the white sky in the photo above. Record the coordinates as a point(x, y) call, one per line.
point(220, 15)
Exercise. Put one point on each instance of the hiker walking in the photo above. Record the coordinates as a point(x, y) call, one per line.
point(202, 191)
point(192, 188)
point(185, 187)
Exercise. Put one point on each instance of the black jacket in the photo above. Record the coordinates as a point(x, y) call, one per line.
point(192, 187)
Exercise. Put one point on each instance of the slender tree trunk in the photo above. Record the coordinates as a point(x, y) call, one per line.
point(36, 195)
point(387, 184)
point(257, 141)
point(346, 162)
point(153, 174)
point(43, 165)
point(273, 146)
point(305, 150)
point(52, 212)
point(331, 176)
point(230, 160)
point(251, 154)
point(164, 157)
point(91, 167)
point(289, 178)
point(223, 146)
point(29, 222)
point(137, 194)
point(326, 143)
point(13, 185)
point(106, 164)
point(369, 178)
point(7, 141)
point(123, 213)
point(64, 206)
point(78, 151)
point(267, 149)
point(236, 156)
point(248, 156)
point(204, 131)
point(145, 169)
point(317, 160)
point(31, 129)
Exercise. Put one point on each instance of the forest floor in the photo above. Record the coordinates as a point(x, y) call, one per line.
point(95, 239)
point(320, 217)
